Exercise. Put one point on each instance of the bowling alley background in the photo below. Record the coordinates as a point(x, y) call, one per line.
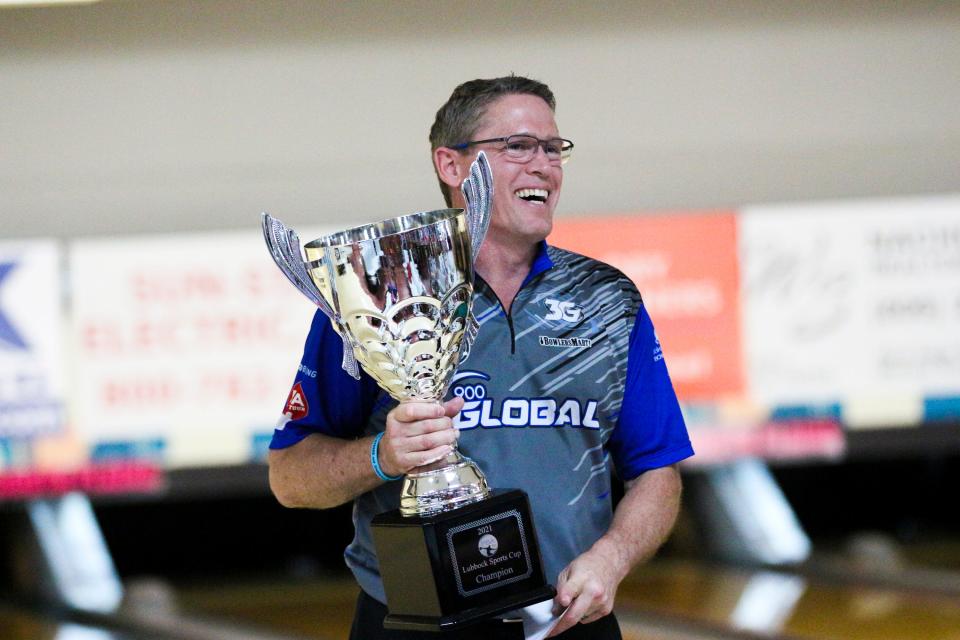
point(779, 179)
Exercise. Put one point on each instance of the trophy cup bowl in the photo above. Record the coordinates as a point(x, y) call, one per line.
point(399, 293)
point(402, 290)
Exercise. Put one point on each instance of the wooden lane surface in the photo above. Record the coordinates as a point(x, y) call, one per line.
point(17, 623)
point(20, 625)
point(787, 604)
point(669, 599)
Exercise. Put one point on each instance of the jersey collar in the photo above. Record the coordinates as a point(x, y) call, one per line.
point(541, 262)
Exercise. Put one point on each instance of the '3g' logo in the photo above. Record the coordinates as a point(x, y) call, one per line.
point(562, 310)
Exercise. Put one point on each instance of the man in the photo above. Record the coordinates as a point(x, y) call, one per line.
point(565, 376)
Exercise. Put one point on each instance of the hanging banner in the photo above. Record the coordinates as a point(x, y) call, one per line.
point(186, 346)
point(685, 266)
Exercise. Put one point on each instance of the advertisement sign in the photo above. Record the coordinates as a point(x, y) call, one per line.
point(855, 304)
point(779, 324)
point(31, 353)
point(186, 346)
point(685, 266)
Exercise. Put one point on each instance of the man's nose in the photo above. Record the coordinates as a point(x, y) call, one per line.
point(540, 161)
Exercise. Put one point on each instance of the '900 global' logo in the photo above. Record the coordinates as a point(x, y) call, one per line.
point(478, 408)
point(469, 391)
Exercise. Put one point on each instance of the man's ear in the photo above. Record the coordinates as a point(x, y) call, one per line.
point(446, 162)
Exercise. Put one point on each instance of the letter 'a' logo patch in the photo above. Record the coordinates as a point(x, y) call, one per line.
point(297, 406)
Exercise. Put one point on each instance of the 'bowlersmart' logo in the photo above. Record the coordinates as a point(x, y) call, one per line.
point(297, 405)
point(549, 341)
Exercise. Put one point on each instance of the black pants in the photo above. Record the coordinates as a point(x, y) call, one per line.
point(368, 625)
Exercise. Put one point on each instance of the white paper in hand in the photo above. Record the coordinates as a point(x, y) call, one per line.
point(538, 620)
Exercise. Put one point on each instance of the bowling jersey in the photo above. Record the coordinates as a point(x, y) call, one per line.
point(567, 386)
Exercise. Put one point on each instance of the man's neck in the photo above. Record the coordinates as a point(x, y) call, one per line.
point(504, 267)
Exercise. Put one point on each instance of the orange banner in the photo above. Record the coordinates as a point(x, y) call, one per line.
point(685, 266)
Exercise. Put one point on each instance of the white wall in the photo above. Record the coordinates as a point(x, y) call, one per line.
point(134, 116)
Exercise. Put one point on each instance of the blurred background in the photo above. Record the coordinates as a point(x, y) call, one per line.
point(779, 178)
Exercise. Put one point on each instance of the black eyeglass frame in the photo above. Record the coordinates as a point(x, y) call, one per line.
point(566, 146)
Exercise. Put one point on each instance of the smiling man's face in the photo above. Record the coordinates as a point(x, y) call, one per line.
point(525, 193)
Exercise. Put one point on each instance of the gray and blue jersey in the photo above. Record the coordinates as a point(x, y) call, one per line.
point(568, 385)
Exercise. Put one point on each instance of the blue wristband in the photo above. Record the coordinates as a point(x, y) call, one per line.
point(375, 460)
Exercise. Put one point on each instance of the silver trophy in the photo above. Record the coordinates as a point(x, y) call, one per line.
point(399, 293)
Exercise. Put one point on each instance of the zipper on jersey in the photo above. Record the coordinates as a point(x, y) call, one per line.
point(513, 335)
point(508, 314)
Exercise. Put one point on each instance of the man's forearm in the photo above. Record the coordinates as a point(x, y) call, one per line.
point(643, 519)
point(321, 471)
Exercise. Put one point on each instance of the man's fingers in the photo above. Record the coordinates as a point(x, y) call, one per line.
point(566, 592)
point(452, 406)
point(414, 411)
point(420, 427)
point(592, 617)
point(565, 602)
point(417, 411)
point(570, 618)
point(434, 454)
point(581, 598)
point(400, 429)
point(433, 440)
point(404, 461)
point(418, 433)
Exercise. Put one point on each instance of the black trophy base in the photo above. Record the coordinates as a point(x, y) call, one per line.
point(460, 567)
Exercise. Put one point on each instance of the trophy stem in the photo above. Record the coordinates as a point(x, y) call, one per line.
point(444, 485)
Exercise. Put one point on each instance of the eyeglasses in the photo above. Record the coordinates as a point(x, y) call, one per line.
point(522, 147)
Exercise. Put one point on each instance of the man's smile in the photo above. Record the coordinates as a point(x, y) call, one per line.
point(532, 195)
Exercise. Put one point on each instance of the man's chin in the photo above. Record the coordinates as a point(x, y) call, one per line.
point(538, 233)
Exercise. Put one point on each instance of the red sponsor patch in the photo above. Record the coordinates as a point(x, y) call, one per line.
point(297, 405)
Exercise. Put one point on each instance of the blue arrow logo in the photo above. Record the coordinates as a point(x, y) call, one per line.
point(9, 338)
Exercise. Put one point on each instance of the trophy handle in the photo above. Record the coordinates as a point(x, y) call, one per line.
point(284, 245)
point(469, 335)
point(477, 191)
